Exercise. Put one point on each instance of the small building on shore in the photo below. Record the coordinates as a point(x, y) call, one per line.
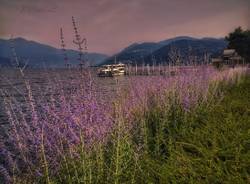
point(229, 57)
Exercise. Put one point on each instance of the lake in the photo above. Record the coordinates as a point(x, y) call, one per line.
point(41, 80)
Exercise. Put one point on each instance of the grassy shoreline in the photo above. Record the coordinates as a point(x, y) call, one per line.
point(190, 129)
point(206, 145)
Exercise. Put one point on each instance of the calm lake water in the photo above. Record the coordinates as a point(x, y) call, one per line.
point(12, 84)
point(46, 82)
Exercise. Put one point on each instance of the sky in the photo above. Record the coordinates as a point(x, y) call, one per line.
point(111, 25)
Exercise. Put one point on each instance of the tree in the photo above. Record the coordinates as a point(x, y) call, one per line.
point(240, 41)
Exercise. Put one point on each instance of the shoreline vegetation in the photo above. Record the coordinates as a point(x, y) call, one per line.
point(192, 127)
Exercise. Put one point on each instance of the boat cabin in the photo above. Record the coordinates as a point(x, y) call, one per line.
point(111, 70)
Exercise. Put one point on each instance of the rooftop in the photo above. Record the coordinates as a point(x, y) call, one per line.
point(229, 52)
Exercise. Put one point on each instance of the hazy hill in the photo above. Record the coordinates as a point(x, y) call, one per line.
point(186, 48)
point(40, 55)
point(145, 52)
point(138, 51)
point(5, 62)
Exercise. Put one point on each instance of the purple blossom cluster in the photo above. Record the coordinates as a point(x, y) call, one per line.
point(190, 86)
point(53, 126)
point(56, 124)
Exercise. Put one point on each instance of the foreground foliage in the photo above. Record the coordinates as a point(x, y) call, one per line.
point(209, 144)
point(206, 145)
point(190, 128)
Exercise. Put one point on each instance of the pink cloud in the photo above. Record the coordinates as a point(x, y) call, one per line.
point(110, 25)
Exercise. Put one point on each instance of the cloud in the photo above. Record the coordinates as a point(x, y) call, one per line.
point(111, 25)
point(247, 16)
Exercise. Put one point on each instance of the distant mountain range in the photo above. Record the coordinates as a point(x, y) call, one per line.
point(41, 55)
point(6, 62)
point(158, 52)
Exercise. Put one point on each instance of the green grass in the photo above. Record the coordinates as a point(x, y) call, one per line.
point(209, 144)
point(229, 122)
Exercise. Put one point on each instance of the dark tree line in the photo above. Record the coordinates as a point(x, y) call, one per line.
point(239, 40)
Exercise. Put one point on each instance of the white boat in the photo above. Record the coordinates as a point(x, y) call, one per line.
point(111, 70)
